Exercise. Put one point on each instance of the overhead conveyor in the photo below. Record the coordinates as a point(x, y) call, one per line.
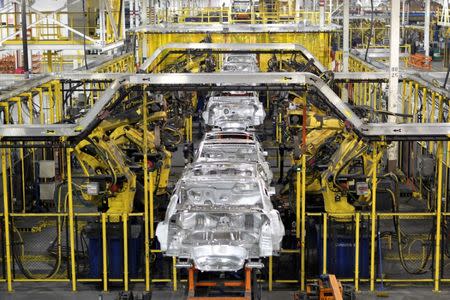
point(224, 81)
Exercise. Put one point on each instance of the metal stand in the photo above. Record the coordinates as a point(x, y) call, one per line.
point(246, 284)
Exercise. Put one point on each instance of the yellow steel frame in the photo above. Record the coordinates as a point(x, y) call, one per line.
point(318, 43)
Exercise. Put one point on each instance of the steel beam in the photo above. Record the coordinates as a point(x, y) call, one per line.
point(426, 29)
point(217, 81)
point(394, 76)
point(234, 28)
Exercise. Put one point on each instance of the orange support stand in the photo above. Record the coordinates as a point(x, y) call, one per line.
point(335, 286)
point(326, 288)
point(246, 284)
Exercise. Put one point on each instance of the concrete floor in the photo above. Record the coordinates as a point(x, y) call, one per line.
point(44, 291)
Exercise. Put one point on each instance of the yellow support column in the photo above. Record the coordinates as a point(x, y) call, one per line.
point(146, 191)
point(416, 101)
point(297, 212)
point(357, 224)
point(375, 98)
point(51, 101)
point(324, 241)
point(125, 251)
point(410, 95)
point(49, 61)
point(366, 98)
point(297, 203)
point(404, 99)
point(150, 190)
point(174, 273)
point(303, 221)
point(6, 221)
point(71, 220)
point(437, 251)
point(424, 104)
point(190, 129)
point(373, 219)
point(104, 254)
point(270, 273)
point(432, 116)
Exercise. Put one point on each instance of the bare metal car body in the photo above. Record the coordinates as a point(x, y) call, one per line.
point(219, 217)
point(240, 63)
point(234, 112)
point(237, 150)
point(241, 58)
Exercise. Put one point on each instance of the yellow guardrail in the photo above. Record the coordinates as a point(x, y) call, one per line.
point(61, 26)
point(211, 15)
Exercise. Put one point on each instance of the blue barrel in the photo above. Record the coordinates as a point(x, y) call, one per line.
point(115, 250)
point(341, 252)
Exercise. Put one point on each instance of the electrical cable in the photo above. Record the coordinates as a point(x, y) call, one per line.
point(422, 267)
point(18, 257)
point(105, 158)
point(360, 152)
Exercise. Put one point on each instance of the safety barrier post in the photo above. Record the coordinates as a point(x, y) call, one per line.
point(190, 129)
point(324, 241)
point(303, 221)
point(373, 218)
point(416, 101)
point(104, 254)
point(357, 227)
point(174, 273)
point(270, 273)
point(437, 253)
point(71, 220)
point(432, 115)
point(404, 98)
point(410, 95)
point(150, 191)
point(6, 221)
point(424, 104)
point(146, 190)
point(297, 203)
point(125, 251)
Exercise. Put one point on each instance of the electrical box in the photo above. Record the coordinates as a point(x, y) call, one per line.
point(46, 191)
point(92, 188)
point(47, 169)
point(425, 166)
point(362, 188)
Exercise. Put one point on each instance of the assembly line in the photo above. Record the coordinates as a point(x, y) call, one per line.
point(226, 152)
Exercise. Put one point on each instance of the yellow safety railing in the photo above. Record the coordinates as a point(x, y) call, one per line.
point(212, 15)
point(121, 64)
point(63, 27)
